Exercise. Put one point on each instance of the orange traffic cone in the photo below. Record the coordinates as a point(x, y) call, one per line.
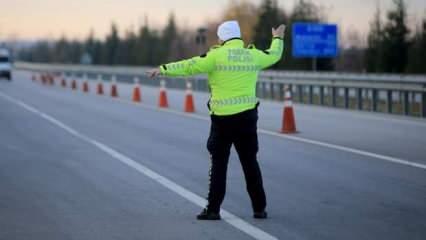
point(288, 123)
point(43, 78)
point(63, 82)
point(162, 100)
point(99, 87)
point(85, 84)
point(74, 84)
point(136, 91)
point(46, 79)
point(189, 100)
point(51, 79)
point(114, 91)
point(85, 87)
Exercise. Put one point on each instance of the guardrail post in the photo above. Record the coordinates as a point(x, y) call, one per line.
point(412, 99)
point(264, 90)
point(346, 98)
point(204, 85)
point(406, 103)
point(423, 111)
point(198, 85)
point(195, 85)
point(259, 89)
point(359, 100)
point(374, 100)
point(389, 101)
point(321, 92)
point(300, 93)
point(281, 91)
point(334, 96)
point(272, 90)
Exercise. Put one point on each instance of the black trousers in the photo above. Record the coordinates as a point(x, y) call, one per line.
point(239, 130)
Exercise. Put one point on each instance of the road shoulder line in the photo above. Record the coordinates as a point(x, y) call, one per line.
point(228, 217)
point(293, 138)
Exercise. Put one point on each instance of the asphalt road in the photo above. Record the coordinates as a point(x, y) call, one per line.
point(76, 166)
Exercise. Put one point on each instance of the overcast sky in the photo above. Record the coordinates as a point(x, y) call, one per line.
point(74, 18)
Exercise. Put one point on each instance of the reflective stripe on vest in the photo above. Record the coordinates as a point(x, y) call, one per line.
point(233, 101)
point(237, 68)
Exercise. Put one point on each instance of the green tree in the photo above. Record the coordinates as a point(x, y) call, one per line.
point(417, 51)
point(142, 45)
point(169, 39)
point(112, 43)
point(60, 51)
point(245, 12)
point(395, 42)
point(148, 46)
point(374, 50)
point(75, 51)
point(268, 17)
point(41, 52)
point(92, 47)
point(127, 54)
point(97, 51)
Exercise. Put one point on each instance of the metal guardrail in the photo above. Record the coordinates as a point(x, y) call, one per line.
point(399, 94)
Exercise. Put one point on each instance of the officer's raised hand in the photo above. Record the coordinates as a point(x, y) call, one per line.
point(279, 31)
point(153, 72)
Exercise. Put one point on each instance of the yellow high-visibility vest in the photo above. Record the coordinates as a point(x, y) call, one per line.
point(232, 73)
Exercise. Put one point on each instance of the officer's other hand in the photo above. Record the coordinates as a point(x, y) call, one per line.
point(279, 31)
point(153, 72)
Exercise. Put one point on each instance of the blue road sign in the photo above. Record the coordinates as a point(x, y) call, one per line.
point(313, 40)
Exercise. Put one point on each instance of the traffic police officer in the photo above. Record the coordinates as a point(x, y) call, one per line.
point(232, 74)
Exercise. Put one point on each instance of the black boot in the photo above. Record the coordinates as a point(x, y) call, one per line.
point(208, 215)
point(260, 215)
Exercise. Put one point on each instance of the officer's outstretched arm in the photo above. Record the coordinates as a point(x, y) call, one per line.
point(272, 55)
point(193, 66)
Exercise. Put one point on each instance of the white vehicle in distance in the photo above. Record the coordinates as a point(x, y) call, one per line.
point(5, 64)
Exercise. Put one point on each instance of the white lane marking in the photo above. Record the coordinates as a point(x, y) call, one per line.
point(346, 149)
point(399, 120)
point(289, 137)
point(295, 138)
point(230, 218)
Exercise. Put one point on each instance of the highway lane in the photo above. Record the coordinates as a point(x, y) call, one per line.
point(54, 186)
point(314, 192)
point(390, 135)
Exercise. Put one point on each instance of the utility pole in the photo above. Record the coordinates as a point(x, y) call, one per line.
point(201, 40)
